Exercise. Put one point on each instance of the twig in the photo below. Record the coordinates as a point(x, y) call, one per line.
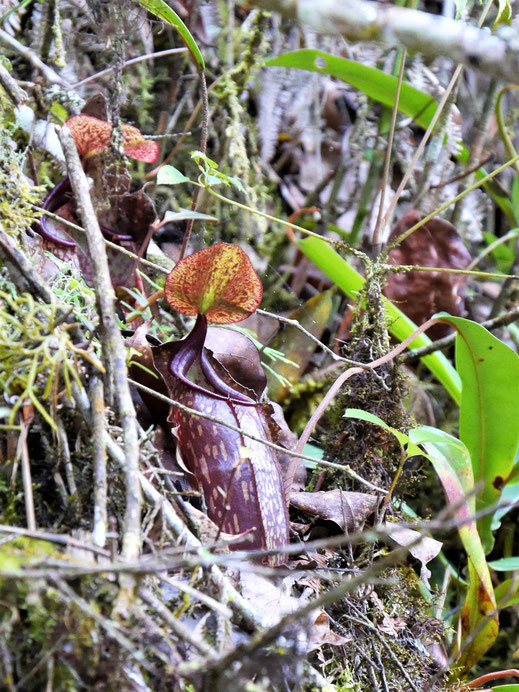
point(203, 147)
point(419, 150)
point(141, 58)
point(99, 459)
point(272, 445)
point(53, 538)
point(377, 232)
point(23, 453)
point(108, 243)
point(178, 627)
point(297, 325)
point(69, 470)
point(30, 55)
point(15, 93)
point(211, 603)
point(496, 323)
point(112, 344)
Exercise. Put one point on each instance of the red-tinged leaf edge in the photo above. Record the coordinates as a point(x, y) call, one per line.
point(92, 136)
point(218, 282)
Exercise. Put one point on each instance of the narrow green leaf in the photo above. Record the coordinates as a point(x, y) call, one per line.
point(505, 564)
point(186, 214)
point(164, 12)
point(506, 688)
point(507, 593)
point(168, 175)
point(348, 280)
point(374, 83)
point(489, 411)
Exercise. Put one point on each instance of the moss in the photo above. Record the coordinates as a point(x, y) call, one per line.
point(18, 195)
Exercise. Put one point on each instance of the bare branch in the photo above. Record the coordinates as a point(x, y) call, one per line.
point(432, 35)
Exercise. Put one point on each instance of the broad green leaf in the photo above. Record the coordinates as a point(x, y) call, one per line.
point(186, 214)
point(506, 688)
point(374, 83)
point(505, 564)
point(507, 593)
point(164, 12)
point(168, 175)
point(382, 87)
point(451, 461)
point(489, 411)
point(348, 280)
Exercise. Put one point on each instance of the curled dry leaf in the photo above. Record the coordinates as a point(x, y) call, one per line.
point(296, 345)
point(218, 282)
point(346, 509)
point(421, 294)
point(424, 549)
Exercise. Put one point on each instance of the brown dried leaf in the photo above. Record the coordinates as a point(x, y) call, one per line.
point(295, 345)
point(421, 294)
point(348, 510)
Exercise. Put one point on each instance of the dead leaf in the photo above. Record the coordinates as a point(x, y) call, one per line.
point(421, 294)
point(348, 510)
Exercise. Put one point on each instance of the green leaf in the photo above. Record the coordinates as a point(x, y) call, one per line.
point(489, 411)
point(164, 12)
point(198, 156)
point(451, 461)
point(504, 13)
point(505, 564)
point(168, 175)
point(374, 83)
point(347, 279)
point(506, 688)
point(186, 214)
point(507, 593)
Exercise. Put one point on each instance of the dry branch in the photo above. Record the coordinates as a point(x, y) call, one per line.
point(112, 343)
point(432, 35)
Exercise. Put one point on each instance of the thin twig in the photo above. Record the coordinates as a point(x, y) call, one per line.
point(377, 232)
point(141, 58)
point(99, 459)
point(23, 453)
point(178, 627)
point(203, 147)
point(53, 538)
point(297, 325)
point(495, 323)
point(272, 445)
point(112, 345)
point(15, 93)
point(332, 392)
point(49, 74)
point(108, 243)
point(69, 470)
